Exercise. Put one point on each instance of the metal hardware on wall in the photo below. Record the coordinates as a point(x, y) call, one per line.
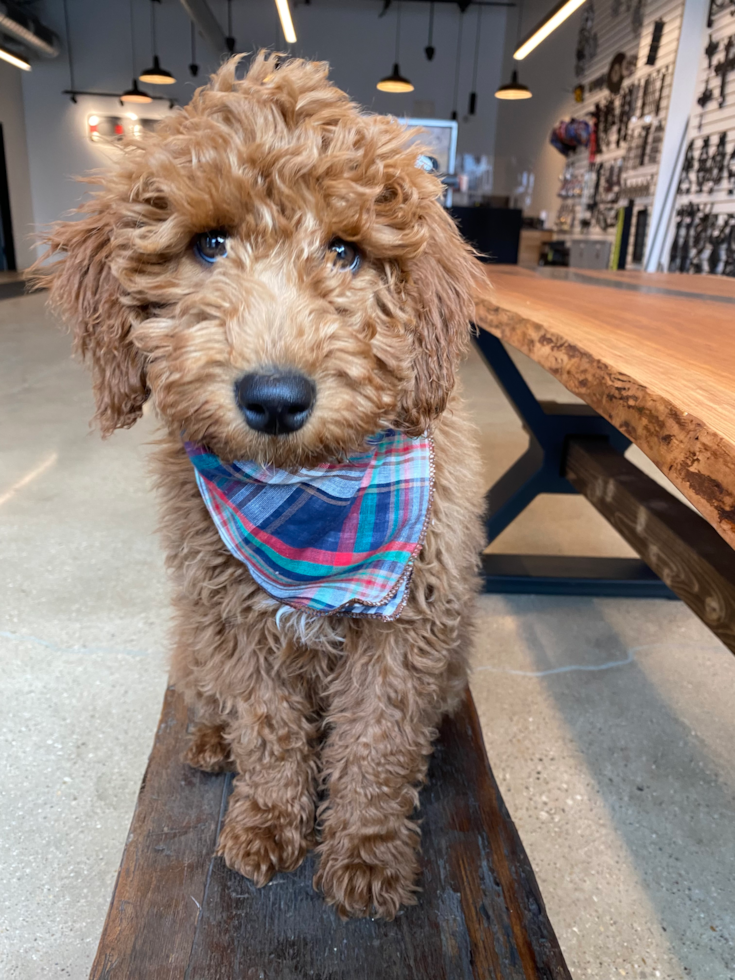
point(658, 29)
point(716, 7)
point(704, 242)
point(724, 68)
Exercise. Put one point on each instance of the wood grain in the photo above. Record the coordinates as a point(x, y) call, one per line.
point(162, 879)
point(660, 368)
point(722, 287)
point(480, 915)
point(683, 550)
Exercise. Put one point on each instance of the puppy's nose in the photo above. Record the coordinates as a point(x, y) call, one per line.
point(275, 403)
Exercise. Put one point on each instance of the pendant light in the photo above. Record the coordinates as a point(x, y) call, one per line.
point(230, 39)
point(430, 49)
point(395, 82)
point(193, 67)
point(473, 94)
point(458, 62)
point(134, 94)
point(515, 90)
point(156, 75)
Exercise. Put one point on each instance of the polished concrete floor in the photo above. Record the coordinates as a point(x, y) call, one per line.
point(610, 723)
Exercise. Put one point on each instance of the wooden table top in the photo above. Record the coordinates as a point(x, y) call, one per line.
point(652, 353)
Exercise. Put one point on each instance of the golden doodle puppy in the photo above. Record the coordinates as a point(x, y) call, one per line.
point(274, 271)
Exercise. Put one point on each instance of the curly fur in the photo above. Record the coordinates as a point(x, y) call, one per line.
point(341, 707)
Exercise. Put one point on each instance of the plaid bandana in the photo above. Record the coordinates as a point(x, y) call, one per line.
point(340, 538)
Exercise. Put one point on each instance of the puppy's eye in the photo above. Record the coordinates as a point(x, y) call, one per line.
point(211, 245)
point(345, 255)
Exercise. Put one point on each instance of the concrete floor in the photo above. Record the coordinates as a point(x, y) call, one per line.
point(609, 723)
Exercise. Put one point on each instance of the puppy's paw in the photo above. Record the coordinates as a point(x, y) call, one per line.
point(368, 877)
point(208, 749)
point(256, 842)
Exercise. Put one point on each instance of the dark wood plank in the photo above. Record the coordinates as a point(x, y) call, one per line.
point(678, 544)
point(480, 915)
point(161, 883)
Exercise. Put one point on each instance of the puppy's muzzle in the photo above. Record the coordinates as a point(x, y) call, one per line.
point(275, 403)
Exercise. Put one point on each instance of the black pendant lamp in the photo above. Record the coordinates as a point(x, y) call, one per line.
point(429, 50)
point(193, 67)
point(134, 94)
point(156, 75)
point(396, 82)
point(515, 90)
point(457, 63)
point(473, 94)
point(230, 39)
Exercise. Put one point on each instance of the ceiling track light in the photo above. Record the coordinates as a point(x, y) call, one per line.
point(14, 60)
point(155, 75)
point(284, 13)
point(549, 24)
point(396, 82)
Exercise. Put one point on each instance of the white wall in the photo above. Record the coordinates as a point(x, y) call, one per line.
point(348, 33)
point(524, 127)
point(16, 159)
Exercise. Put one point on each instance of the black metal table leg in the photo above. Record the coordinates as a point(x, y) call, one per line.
point(541, 470)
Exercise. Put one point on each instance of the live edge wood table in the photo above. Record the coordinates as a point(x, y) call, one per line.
point(653, 358)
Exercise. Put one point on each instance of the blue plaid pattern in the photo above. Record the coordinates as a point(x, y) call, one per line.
point(337, 539)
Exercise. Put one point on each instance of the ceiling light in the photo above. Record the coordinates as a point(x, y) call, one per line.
point(13, 59)
point(395, 82)
point(284, 12)
point(93, 120)
point(157, 75)
point(550, 23)
point(135, 94)
point(514, 90)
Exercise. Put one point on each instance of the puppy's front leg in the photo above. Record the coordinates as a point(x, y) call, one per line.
point(269, 824)
point(382, 715)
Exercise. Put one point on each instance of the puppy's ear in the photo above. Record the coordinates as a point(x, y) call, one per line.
point(440, 294)
point(85, 291)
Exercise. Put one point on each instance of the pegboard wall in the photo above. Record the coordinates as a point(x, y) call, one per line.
point(702, 237)
point(625, 63)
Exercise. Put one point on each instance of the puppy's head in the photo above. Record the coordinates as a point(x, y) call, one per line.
point(273, 268)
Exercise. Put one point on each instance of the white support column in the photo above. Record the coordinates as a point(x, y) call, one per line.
point(688, 56)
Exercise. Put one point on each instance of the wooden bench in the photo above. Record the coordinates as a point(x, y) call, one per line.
point(178, 913)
